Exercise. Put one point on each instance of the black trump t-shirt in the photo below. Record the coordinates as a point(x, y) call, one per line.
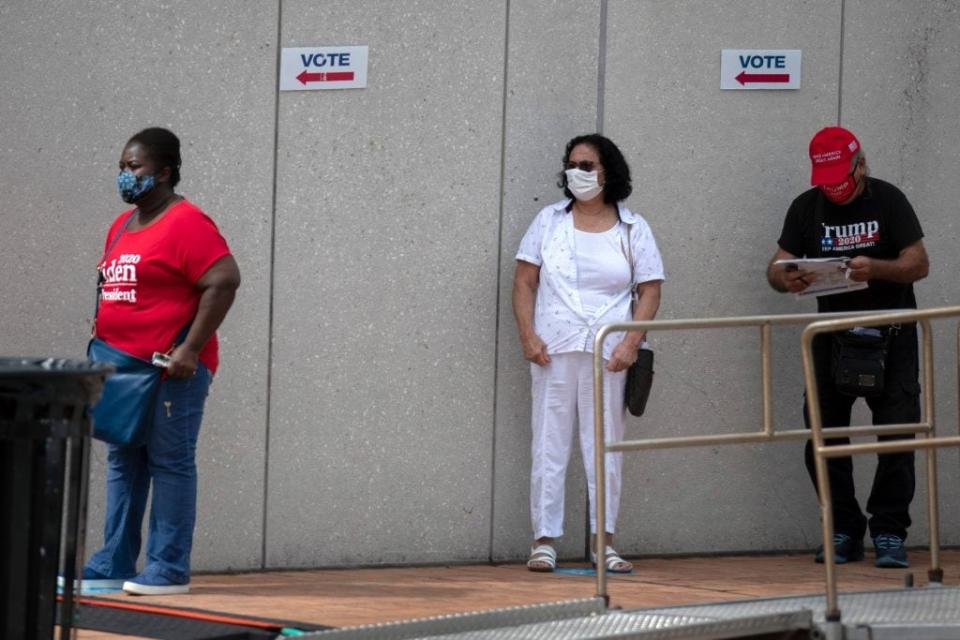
point(880, 223)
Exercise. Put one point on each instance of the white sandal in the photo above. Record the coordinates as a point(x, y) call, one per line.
point(543, 559)
point(612, 561)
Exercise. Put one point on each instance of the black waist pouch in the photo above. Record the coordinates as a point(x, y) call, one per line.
point(858, 361)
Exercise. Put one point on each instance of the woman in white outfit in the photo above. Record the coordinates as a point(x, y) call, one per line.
point(573, 276)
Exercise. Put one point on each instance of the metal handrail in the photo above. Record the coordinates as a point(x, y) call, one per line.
point(822, 452)
point(767, 434)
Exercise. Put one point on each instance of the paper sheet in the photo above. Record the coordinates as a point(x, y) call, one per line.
point(831, 276)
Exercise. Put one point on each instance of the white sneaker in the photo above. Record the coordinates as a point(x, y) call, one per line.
point(92, 583)
point(142, 586)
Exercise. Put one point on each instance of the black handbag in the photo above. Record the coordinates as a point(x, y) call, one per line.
point(639, 381)
point(858, 361)
point(640, 373)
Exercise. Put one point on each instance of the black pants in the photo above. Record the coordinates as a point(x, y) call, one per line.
point(894, 480)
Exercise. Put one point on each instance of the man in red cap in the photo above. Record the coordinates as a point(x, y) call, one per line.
point(850, 214)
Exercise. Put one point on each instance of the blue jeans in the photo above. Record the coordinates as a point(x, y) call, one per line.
point(168, 459)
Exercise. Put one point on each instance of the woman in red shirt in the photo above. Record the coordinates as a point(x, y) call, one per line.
point(165, 267)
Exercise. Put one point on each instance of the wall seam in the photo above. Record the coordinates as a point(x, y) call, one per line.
point(496, 330)
point(601, 87)
point(601, 64)
point(272, 284)
point(843, 6)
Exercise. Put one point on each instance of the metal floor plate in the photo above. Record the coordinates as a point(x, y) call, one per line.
point(909, 613)
point(618, 624)
point(928, 605)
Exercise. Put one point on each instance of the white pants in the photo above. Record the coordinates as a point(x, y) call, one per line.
point(563, 395)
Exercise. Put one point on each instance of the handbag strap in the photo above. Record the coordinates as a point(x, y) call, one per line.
point(100, 278)
point(116, 237)
point(628, 254)
point(634, 289)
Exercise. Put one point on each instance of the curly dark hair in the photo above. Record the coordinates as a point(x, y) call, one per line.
point(617, 185)
point(163, 147)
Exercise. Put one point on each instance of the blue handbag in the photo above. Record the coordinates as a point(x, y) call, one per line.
point(124, 413)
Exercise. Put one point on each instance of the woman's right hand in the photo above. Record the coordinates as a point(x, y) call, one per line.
point(535, 349)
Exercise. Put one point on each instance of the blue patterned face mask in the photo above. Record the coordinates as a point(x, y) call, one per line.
point(132, 187)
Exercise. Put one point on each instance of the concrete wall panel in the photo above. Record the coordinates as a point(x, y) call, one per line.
point(80, 79)
point(901, 75)
point(386, 271)
point(551, 97)
point(714, 173)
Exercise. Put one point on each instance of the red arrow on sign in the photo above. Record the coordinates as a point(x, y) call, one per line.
point(328, 76)
point(744, 77)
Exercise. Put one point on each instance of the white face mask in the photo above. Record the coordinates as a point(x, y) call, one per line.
point(583, 184)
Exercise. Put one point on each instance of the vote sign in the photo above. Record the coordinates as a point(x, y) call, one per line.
point(312, 68)
point(746, 69)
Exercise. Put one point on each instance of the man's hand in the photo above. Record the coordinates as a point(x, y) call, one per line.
point(860, 269)
point(910, 265)
point(796, 280)
point(787, 277)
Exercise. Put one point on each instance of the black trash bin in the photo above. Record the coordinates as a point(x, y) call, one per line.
point(44, 460)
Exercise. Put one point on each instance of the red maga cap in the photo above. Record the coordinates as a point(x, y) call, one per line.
point(831, 151)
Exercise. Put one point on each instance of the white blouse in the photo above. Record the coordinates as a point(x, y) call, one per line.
point(560, 317)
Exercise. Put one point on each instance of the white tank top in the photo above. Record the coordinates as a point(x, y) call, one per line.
point(602, 268)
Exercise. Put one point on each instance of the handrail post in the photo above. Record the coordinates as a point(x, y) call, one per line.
point(599, 457)
point(766, 382)
point(935, 573)
point(832, 613)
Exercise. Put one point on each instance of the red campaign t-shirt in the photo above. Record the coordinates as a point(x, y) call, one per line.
point(149, 292)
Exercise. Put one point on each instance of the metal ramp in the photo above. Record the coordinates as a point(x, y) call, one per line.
point(581, 619)
point(924, 614)
point(908, 614)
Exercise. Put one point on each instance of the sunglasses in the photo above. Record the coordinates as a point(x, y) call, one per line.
point(583, 165)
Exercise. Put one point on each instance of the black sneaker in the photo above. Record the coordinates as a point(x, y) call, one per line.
point(890, 551)
point(845, 549)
